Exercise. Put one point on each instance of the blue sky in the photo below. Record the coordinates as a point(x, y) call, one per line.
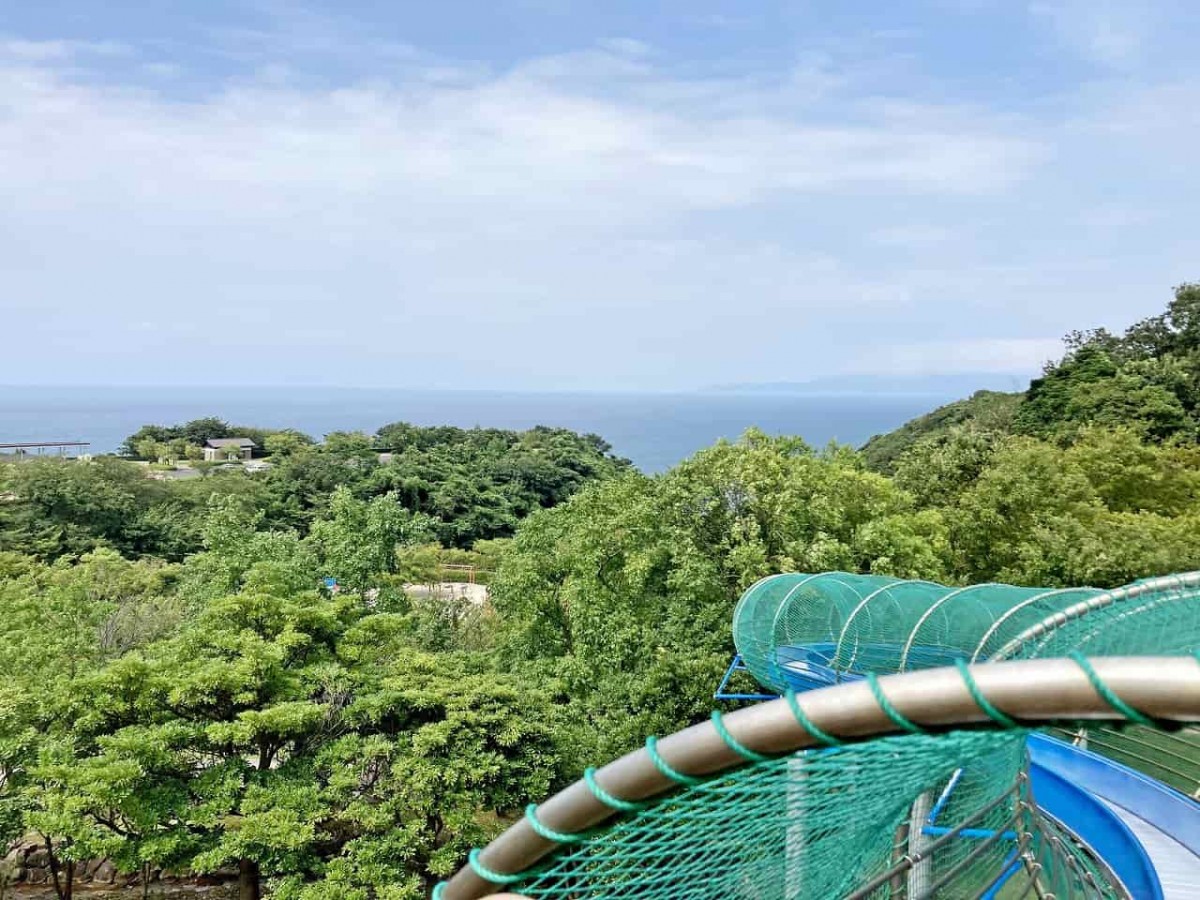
point(552, 194)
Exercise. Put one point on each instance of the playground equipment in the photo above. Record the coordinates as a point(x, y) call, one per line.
point(893, 766)
point(805, 631)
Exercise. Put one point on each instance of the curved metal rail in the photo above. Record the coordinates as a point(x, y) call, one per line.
point(1100, 601)
point(1043, 690)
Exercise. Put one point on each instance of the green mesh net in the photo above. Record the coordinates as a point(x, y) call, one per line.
point(1156, 616)
point(839, 823)
point(802, 630)
point(1170, 757)
point(947, 815)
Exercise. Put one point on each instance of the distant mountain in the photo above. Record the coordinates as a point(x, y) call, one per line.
point(946, 385)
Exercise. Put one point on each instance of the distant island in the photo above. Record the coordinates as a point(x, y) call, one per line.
point(947, 385)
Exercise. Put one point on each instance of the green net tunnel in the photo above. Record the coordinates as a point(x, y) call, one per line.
point(804, 631)
point(797, 798)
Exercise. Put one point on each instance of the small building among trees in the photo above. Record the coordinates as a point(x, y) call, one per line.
point(233, 448)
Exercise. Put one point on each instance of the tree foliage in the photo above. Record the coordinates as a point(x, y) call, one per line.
point(1146, 381)
point(989, 412)
point(182, 686)
point(627, 589)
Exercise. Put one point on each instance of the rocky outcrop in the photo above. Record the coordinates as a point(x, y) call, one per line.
point(26, 873)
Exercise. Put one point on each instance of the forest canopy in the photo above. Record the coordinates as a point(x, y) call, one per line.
point(184, 688)
point(472, 484)
point(1146, 380)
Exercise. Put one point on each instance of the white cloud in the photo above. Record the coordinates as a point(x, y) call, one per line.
point(590, 219)
point(913, 235)
point(1107, 32)
point(519, 137)
point(58, 51)
point(626, 46)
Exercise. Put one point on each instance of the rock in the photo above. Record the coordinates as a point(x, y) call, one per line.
point(105, 872)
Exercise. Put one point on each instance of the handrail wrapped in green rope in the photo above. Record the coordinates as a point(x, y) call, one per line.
point(934, 700)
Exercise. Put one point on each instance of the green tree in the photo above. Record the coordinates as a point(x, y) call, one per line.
point(195, 432)
point(627, 589)
point(984, 412)
point(938, 468)
point(302, 740)
point(358, 539)
point(196, 753)
point(441, 752)
point(238, 555)
point(62, 507)
point(61, 623)
point(1147, 380)
point(480, 483)
point(1104, 511)
point(286, 442)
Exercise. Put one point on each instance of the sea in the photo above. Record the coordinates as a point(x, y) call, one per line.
point(654, 430)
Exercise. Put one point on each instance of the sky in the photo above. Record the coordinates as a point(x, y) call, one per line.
point(569, 195)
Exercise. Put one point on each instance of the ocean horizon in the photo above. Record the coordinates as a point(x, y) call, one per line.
point(654, 430)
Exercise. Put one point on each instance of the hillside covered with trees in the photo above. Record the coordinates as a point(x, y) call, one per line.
point(1146, 380)
point(183, 692)
point(470, 484)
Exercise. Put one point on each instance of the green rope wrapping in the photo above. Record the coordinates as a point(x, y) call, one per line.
point(807, 724)
point(1107, 694)
point(559, 837)
point(733, 743)
point(996, 715)
point(989, 708)
point(889, 710)
point(488, 875)
point(665, 768)
point(589, 778)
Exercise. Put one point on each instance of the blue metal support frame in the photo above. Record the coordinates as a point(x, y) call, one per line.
point(738, 666)
point(1012, 865)
point(936, 830)
point(945, 797)
point(932, 829)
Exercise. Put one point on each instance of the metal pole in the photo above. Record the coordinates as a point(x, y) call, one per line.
point(918, 845)
point(1038, 690)
point(879, 880)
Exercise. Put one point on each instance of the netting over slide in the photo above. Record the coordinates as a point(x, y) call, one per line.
point(835, 823)
point(821, 793)
point(808, 798)
point(804, 630)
